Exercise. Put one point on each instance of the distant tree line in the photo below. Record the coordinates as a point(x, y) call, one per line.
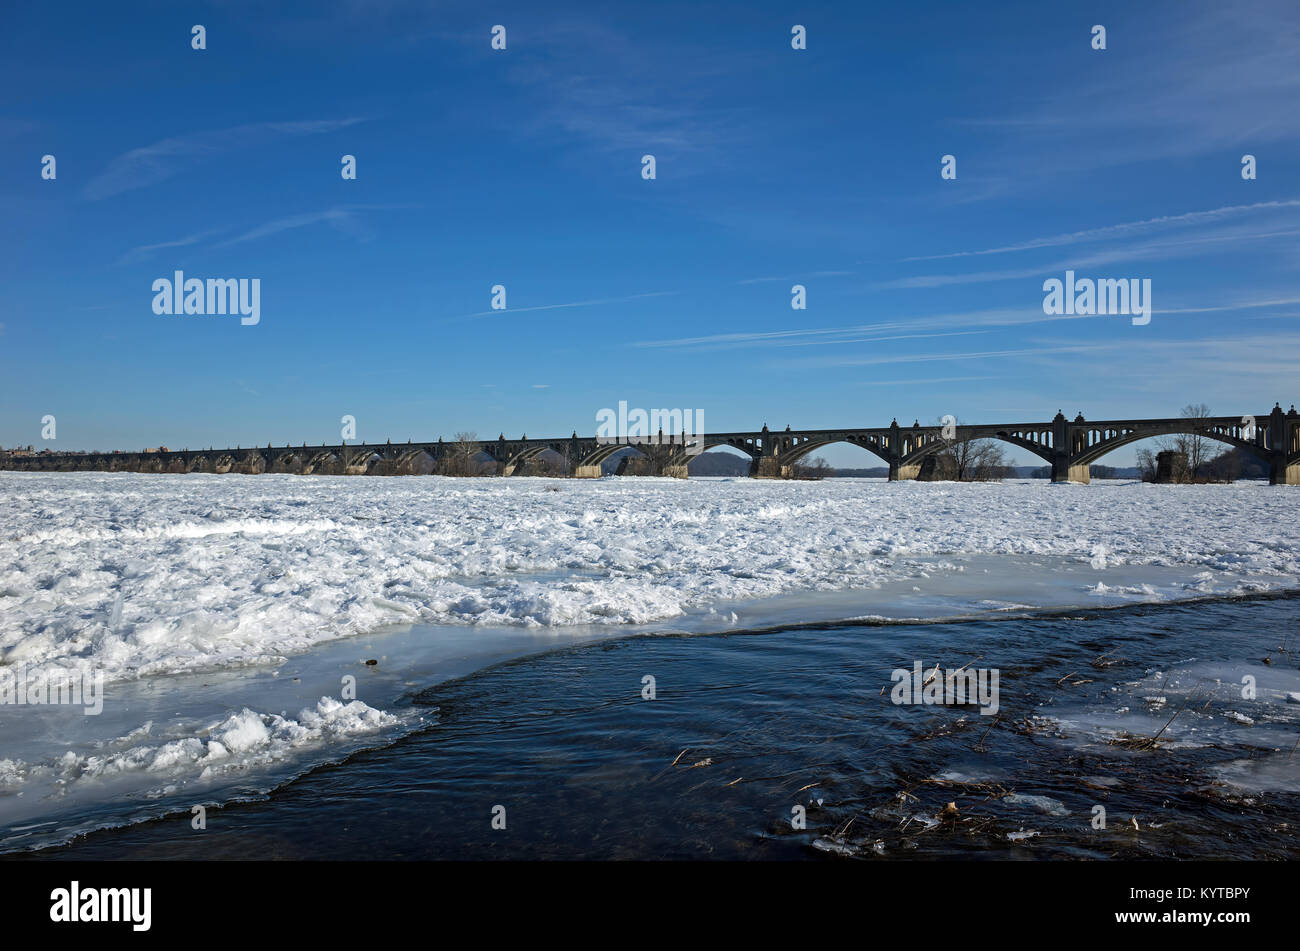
point(1194, 457)
point(975, 460)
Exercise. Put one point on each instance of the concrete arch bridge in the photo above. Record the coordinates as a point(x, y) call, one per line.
point(1069, 447)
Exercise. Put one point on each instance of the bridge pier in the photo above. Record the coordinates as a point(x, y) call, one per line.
point(1065, 471)
point(1284, 437)
point(1280, 473)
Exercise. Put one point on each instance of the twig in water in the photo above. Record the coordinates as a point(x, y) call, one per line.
point(671, 765)
point(980, 745)
point(1150, 744)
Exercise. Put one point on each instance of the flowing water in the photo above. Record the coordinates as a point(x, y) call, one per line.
point(1149, 731)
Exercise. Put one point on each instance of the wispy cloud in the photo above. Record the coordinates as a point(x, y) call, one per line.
point(997, 317)
point(934, 379)
point(1215, 79)
point(1151, 250)
point(343, 218)
point(1120, 230)
point(1239, 305)
point(758, 336)
point(160, 160)
point(820, 338)
point(880, 360)
point(1215, 370)
point(146, 250)
point(930, 325)
point(796, 277)
point(581, 303)
point(1209, 370)
point(627, 93)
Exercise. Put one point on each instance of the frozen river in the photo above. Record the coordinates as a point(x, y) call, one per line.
point(232, 617)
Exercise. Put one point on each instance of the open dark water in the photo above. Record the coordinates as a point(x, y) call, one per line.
point(802, 717)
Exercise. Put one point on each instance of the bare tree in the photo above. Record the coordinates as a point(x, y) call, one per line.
point(1146, 465)
point(545, 463)
point(815, 468)
point(1225, 467)
point(1193, 445)
point(459, 459)
point(1197, 459)
point(635, 463)
point(979, 460)
point(975, 460)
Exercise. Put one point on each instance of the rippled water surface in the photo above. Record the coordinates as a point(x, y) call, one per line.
point(745, 727)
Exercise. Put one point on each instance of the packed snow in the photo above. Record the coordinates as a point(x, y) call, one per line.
point(239, 742)
point(138, 575)
point(204, 599)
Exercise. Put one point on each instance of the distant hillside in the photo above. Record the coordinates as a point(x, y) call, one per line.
point(718, 464)
point(1097, 472)
point(705, 464)
point(876, 472)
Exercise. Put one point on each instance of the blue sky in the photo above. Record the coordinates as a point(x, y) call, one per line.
point(523, 168)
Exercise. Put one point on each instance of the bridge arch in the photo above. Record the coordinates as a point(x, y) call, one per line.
point(289, 462)
point(366, 462)
point(1090, 452)
point(416, 461)
point(720, 459)
point(603, 451)
point(915, 453)
point(553, 455)
point(804, 448)
point(748, 446)
point(251, 462)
